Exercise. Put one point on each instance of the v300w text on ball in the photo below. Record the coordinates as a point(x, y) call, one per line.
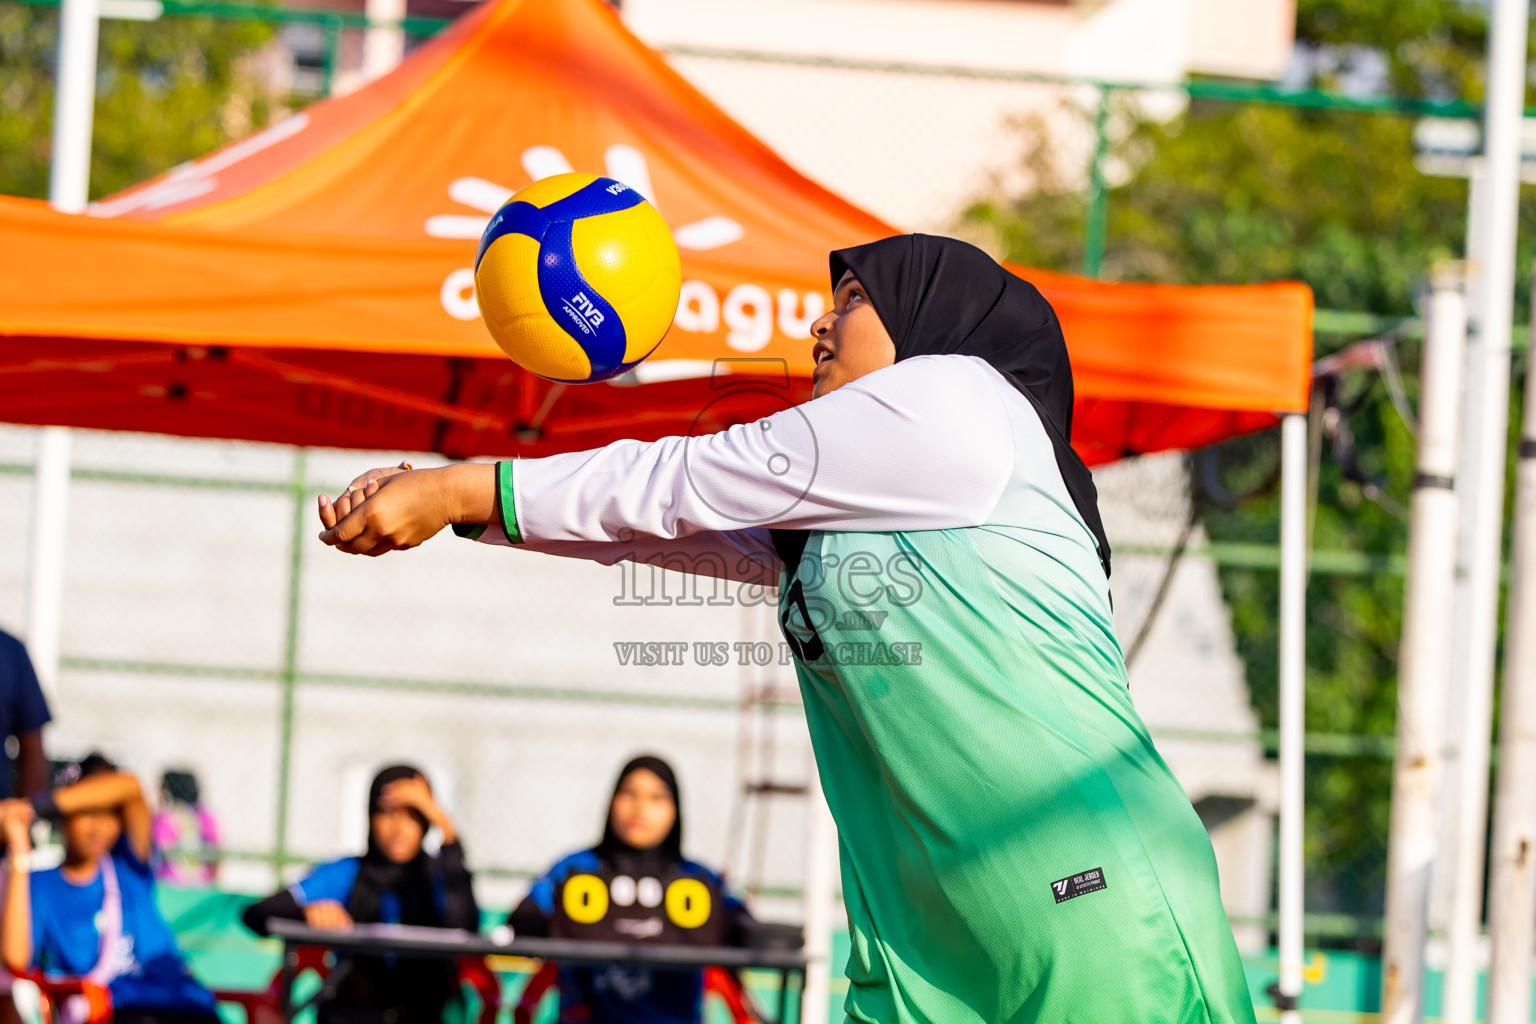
point(577, 278)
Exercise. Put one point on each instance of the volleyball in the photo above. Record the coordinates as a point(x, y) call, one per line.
point(577, 278)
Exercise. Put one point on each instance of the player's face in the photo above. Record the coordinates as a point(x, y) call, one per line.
point(850, 339)
point(643, 810)
point(398, 834)
point(90, 835)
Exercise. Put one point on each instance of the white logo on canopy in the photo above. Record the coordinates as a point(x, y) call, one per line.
point(623, 163)
point(748, 310)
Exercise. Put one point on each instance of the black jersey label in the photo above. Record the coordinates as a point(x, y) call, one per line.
point(1078, 885)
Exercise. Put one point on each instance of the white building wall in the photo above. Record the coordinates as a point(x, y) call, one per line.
point(917, 149)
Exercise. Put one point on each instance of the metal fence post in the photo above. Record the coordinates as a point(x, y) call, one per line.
point(330, 55)
point(290, 669)
point(1098, 191)
point(1425, 654)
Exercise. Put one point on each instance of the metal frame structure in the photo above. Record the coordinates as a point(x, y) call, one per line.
point(72, 137)
point(333, 23)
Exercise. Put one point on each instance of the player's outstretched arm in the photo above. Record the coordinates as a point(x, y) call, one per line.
point(921, 445)
point(925, 444)
point(367, 520)
point(395, 509)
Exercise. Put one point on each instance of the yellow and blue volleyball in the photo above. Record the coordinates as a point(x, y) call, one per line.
point(577, 278)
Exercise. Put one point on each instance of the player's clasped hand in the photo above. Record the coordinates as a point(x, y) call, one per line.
point(398, 507)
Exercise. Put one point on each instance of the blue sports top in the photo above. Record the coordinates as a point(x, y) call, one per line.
point(151, 973)
point(335, 879)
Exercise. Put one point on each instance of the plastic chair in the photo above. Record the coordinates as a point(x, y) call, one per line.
point(261, 1007)
point(717, 982)
point(473, 972)
point(722, 983)
point(477, 974)
point(52, 993)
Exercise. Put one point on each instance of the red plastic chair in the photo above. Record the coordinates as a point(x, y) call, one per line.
point(53, 992)
point(722, 983)
point(263, 1007)
point(717, 982)
point(260, 1007)
point(472, 972)
point(266, 1005)
point(539, 982)
point(477, 974)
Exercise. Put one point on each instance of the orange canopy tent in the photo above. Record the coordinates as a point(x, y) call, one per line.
point(310, 284)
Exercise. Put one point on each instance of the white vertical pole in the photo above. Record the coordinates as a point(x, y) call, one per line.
point(1512, 887)
point(1468, 497)
point(45, 563)
point(69, 176)
point(820, 880)
point(1423, 656)
point(1293, 608)
point(383, 48)
point(1495, 264)
point(69, 180)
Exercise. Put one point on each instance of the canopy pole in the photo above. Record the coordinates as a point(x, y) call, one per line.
point(69, 181)
point(1493, 308)
point(1293, 607)
point(45, 564)
point(69, 176)
point(1467, 492)
point(384, 42)
point(1424, 655)
point(1512, 892)
point(821, 859)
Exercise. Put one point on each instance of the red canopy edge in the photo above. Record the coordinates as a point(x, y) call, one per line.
point(309, 284)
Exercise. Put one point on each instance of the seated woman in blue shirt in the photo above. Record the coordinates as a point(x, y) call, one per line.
point(634, 886)
point(94, 916)
point(395, 882)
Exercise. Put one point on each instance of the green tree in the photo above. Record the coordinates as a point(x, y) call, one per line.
point(1432, 48)
point(166, 92)
point(1243, 193)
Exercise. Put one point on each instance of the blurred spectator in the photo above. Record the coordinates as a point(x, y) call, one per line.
point(25, 772)
point(186, 833)
point(23, 713)
point(95, 916)
point(634, 886)
point(395, 882)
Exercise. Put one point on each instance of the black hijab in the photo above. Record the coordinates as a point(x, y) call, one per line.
point(180, 785)
point(627, 859)
point(410, 882)
point(940, 295)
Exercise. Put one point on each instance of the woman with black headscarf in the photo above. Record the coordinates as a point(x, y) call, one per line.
point(1013, 847)
point(634, 886)
point(395, 882)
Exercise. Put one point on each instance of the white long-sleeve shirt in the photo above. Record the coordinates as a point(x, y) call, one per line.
point(926, 444)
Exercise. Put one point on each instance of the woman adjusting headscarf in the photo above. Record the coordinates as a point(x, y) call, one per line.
point(1013, 847)
point(395, 882)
